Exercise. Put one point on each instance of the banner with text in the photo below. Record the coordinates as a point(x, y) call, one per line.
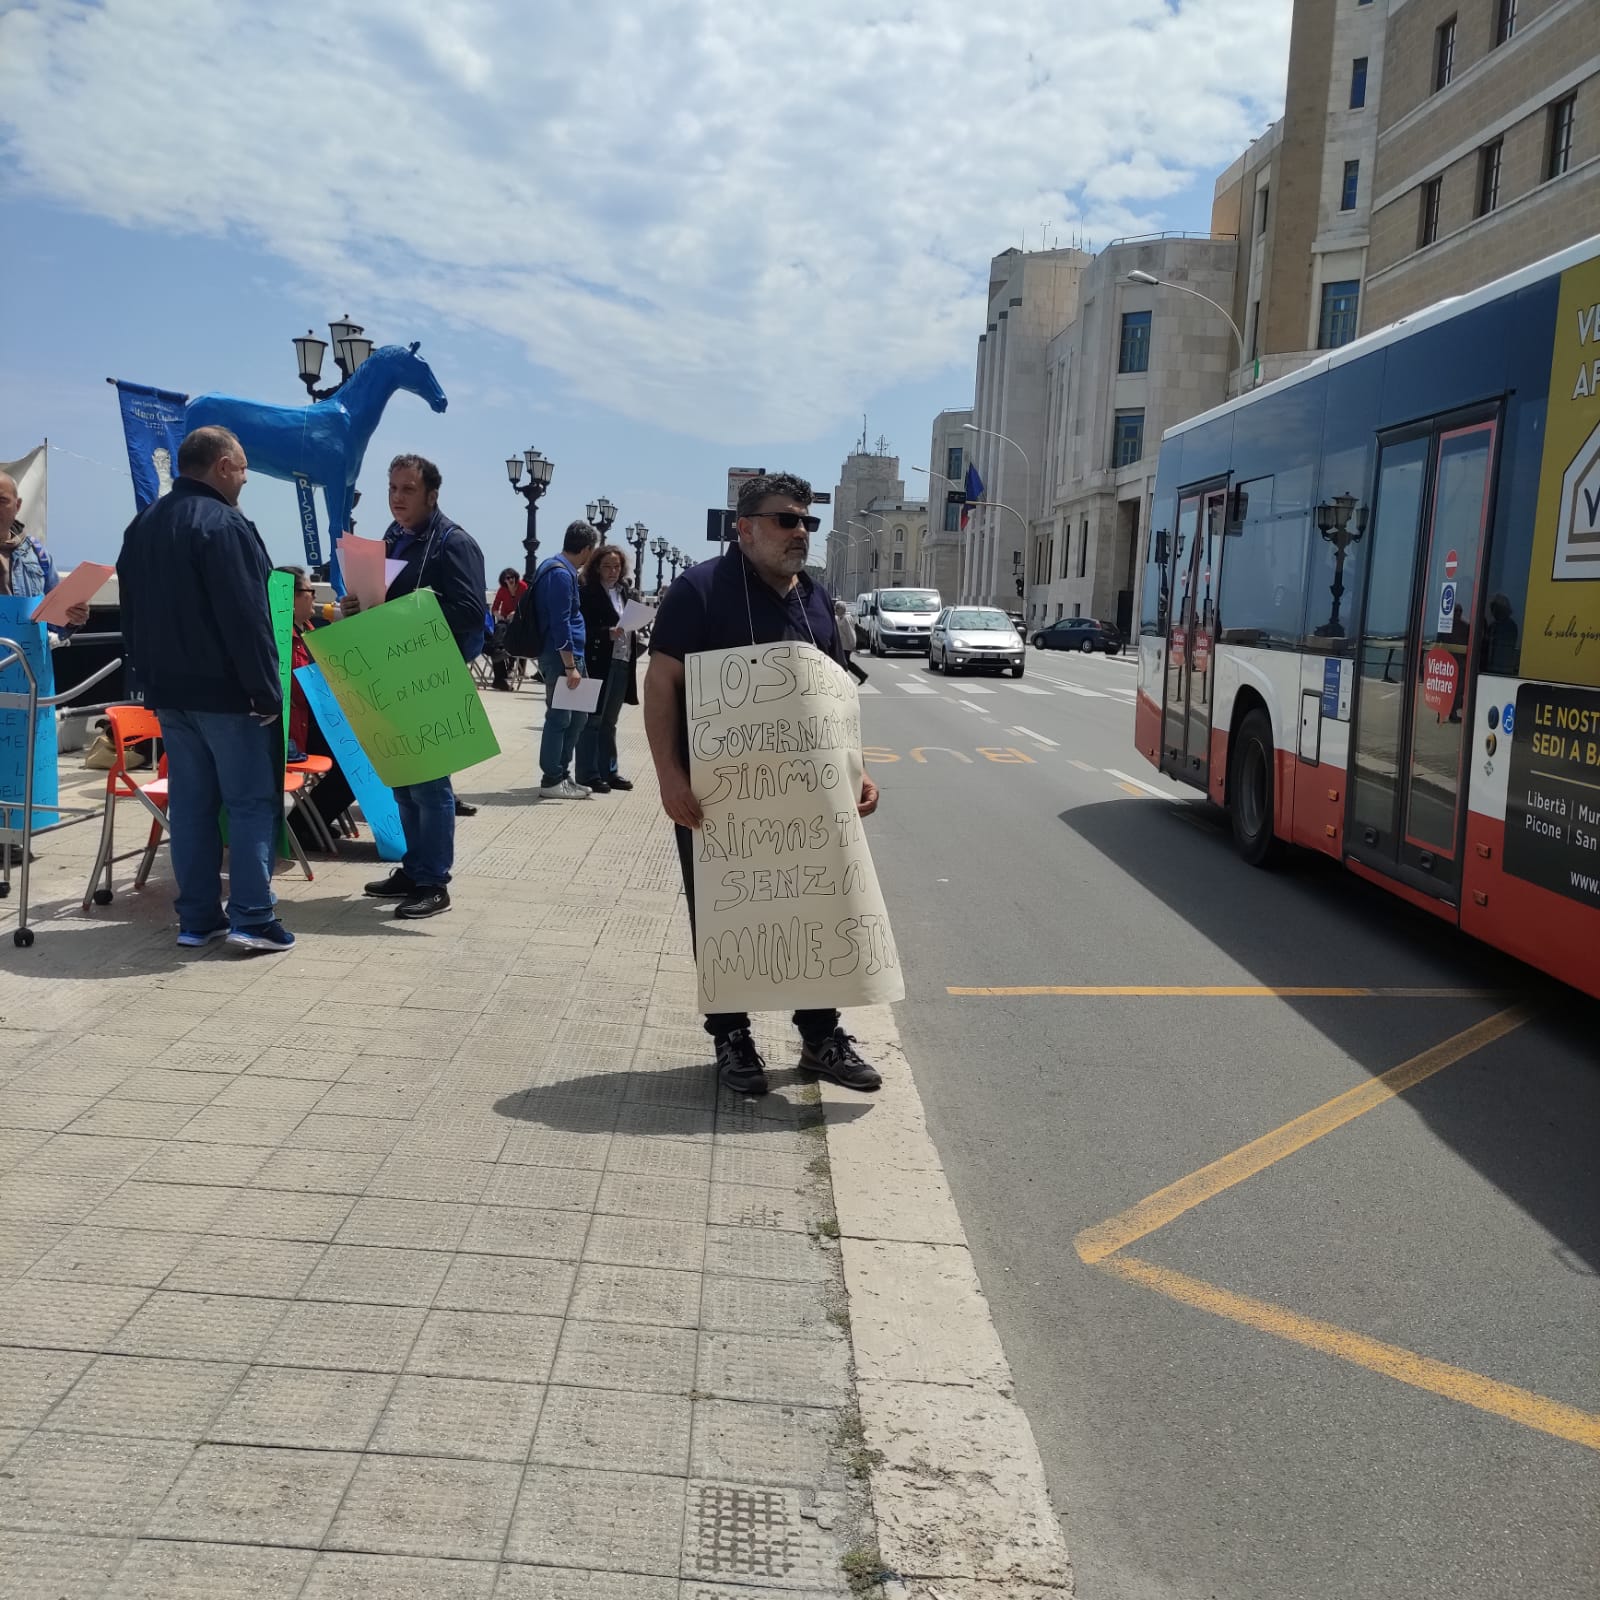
point(153, 426)
point(373, 795)
point(788, 912)
point(399, 677)
point(15, 732)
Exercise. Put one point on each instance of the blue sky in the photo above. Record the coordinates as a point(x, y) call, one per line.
point(652, 244)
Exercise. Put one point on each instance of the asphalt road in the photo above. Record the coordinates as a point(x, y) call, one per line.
point(1211, 1422)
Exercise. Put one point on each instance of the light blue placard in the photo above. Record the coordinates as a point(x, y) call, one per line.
point(375, 797)
point(15, 611)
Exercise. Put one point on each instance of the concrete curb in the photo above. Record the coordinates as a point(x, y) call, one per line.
point(958, 1488)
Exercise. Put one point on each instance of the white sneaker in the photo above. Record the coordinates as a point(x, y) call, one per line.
point(577, 791)
point(553, 791)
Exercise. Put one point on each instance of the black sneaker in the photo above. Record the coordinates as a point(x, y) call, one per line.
point(464, 810)
point(837, 1059)
point(623, 784)
point(739, 1064)
point(426, 902)
point(397, 886)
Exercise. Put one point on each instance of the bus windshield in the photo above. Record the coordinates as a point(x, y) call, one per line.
point(909, 600)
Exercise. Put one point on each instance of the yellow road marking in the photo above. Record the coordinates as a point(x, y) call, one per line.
point(1421, 1372)
point(1165, 1205)
point(1233, 991)
point(1138, 794)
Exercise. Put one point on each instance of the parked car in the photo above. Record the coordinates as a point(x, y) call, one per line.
point(964, 637)
point(1079, 633)
point(899, 619)
point(1019, 622)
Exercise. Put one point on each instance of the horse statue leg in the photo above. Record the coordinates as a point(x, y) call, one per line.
point(336, 497)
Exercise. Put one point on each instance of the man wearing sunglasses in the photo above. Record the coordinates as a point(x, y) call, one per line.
point(757, 592)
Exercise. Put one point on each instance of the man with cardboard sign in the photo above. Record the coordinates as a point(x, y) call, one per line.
point(399, 672)
point(755, 730)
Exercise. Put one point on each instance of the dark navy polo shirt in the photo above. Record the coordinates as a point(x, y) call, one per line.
point(707, 609)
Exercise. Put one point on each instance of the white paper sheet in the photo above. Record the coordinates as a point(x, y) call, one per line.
point(636, 614)
point(391, 570)
point(586, 697)
point(788, 912)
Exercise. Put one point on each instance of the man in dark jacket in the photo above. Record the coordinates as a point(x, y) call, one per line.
point(197, 632)
point(438, 555)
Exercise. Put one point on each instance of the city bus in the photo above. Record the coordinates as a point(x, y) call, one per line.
point(1370, 615)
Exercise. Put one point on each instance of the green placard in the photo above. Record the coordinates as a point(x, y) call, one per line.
point(400, 680)
point(280, 601)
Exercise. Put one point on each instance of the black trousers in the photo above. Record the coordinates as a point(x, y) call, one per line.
point(814, 1025)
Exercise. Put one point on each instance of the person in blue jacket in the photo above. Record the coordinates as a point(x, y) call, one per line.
point(197, 635)
point(442, 556)
point(563, 635)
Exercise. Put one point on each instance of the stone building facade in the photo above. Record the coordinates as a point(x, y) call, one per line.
point(948, 452)
point(1488, 149)
point(876, 538)
point(1032, 295)
point(1135, 360)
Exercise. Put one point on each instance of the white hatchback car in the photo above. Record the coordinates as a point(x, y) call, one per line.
point(975, 636)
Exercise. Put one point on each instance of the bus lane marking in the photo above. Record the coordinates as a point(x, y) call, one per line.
point(1102, 1247)
point(1037, 737)
point(1167, 1205)
point(1126, 778)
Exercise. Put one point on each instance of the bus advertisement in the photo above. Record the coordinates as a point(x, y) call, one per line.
point(1370, 622)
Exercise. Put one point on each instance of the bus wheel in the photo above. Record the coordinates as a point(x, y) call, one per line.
point(1251, 784)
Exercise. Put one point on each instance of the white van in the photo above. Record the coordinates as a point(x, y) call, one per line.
point(901, 619)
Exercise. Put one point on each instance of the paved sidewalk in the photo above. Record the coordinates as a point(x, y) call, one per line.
point(424, 1261)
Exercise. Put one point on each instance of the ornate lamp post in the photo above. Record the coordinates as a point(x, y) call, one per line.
point(602, 514)
point(636, 536)
point(540, 469)
point(659, 548)
point(1333, 523)
point(677, 561)
point(350, 349)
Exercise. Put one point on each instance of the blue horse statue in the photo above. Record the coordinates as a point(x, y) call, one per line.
point(323, 443)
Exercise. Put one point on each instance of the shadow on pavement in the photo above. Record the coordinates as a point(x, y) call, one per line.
point(1311, 922)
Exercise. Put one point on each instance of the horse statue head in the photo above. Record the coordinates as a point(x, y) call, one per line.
point(392, 367)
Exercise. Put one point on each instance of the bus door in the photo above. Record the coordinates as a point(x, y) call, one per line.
point(1407, 787)
point(1191, 634)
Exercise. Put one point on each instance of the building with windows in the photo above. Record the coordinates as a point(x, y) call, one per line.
point(1134, 360)
point(1032, 296)
point(1300, 198)
point(1488, 145)
point(876, 538)
point(939, 566)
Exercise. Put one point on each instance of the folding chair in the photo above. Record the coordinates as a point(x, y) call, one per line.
point(313, 769)
point(128, 725)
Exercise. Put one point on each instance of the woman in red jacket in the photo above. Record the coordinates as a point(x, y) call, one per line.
point(511, 590)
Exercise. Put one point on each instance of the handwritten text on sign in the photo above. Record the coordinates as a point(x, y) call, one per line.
point(399, 677)
point(788, 912)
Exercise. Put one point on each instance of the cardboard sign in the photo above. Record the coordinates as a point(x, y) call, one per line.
point(788, 912)
point(375, 798)
point(398, 676)
point(80, 585)
point(16, 623)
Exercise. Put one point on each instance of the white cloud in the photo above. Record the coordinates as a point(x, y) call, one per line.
point(727, 219)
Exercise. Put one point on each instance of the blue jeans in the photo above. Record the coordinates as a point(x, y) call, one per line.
point(597, 744)
point(217, 759)
point(561, 728)
point(428, 816)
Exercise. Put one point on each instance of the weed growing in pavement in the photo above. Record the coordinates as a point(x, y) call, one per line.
point(863, 1566)
point(828, 1227)
point(840, 1320)
point(818, 1167)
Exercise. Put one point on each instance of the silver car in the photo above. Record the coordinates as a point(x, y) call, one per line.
point(975, 636)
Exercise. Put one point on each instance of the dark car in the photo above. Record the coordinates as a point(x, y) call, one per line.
point(1079, 633)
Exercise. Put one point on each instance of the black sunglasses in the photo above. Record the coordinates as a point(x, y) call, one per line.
point(790, 520)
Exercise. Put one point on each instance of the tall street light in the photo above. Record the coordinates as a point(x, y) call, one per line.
point(636, 536)
point(602, 514)
point(677, 561)
point(540, 469)
point(990, 433)
point(659, 548)
point(1152, 281)
point(350, 349)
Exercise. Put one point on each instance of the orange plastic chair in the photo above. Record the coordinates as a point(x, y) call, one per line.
point(128, 725)
point(131, 725)
point(313, 769)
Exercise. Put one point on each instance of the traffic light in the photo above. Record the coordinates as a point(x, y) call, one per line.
point(1019, 588)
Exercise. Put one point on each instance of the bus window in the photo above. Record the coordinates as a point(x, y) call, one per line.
point(1338, 558)
point(1262, 572)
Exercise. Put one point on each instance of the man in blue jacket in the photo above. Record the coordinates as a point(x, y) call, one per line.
point(197, 632)
point(562, 635)
point(442, 556)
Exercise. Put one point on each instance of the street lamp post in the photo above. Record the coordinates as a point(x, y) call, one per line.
point(540, 469)
point(659, 548)
point(1152, 281)
point(636, 536)
point(350, 349)
point(602, 514)
point(1027, 467)
point(868, 536)
point(677, 561)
